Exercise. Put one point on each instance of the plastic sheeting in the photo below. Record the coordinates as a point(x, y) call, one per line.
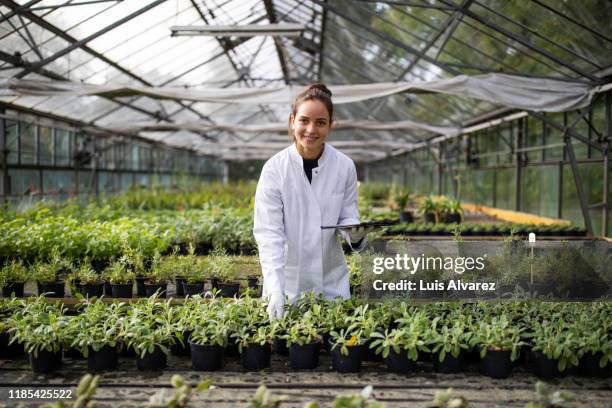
point(535, 94)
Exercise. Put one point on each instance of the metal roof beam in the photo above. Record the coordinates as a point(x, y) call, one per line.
point(278, 44)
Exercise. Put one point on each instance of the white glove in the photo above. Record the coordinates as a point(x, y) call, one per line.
point(276, 302)
point(357, 234)
point(354, 236)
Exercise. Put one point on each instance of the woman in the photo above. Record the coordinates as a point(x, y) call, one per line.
point(305, 186)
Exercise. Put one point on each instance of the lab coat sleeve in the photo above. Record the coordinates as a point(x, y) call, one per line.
point(349, 214)
point(269, 232)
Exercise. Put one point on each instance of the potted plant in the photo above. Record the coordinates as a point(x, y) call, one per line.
point(97, 334)
point(150, 336)
point(595, 351)
point(400, 198)
point(451, 211)
point(133, 261)
point(498, 342)
point(346, 349)
point(400, 347)
point(157, 280)
point(40, 327)
point(304, 341)
point(13, 277)
point(48, 278)
point(429, 210)
point(221, 266)
point(207, 342)
point(91, 284)
point(448, 345)
point(121, 280)
point(554, 348)
point(255, 345)
point(194, 280)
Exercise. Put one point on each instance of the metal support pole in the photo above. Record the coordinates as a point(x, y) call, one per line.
point(519, 168)
point(6, 183)
point(578, 182)
point(608, 135)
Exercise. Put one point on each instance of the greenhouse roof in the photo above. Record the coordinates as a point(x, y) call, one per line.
point(130, 43)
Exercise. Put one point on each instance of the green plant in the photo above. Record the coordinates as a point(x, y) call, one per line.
point(255, 335)
point(449, 207)
point(264, 398)
point(86, 274)
point(304, 331)
point(447, 399)
point(149, 325)
point(13, 272)
point(86, 390)
point(449, 340)
point(117, 273)
point(345, 339)
point(556, 341)
point(221, 265)
point(399, 197)
point(98, 326)
point(38, 325)
point(160, 273)
point(362, 400)
point(401, 340)
point(549, 398)
point(179, 396)
point(497, 334)
point(429, 206)
point(210, 330)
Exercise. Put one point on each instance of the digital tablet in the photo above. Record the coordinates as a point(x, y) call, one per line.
point(368, 225)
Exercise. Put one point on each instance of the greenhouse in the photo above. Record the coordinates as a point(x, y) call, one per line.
point(305, 203)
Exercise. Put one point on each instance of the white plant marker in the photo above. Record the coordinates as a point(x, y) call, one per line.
point(532, 241)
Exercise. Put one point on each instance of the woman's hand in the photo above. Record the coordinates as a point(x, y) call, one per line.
point(276, 304)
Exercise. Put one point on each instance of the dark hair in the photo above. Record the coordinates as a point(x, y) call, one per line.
point(317, 92)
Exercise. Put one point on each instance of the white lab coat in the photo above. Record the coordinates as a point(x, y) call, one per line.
point(296, 255)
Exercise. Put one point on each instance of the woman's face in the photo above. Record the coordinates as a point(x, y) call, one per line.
point(311, 126)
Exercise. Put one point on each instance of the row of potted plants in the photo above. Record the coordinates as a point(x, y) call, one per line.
point(189, 274)
point(550, 338)
point(478, 229)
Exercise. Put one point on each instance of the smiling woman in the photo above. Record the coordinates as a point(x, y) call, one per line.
point(305, 186)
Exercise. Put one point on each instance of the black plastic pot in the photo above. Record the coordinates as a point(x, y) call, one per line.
point(304, 357)
point(400, 363)
point(429, 218)
point(454, 218)
point(496, 364)
point(325, 342)
point(13, 288)
point(214, 283)
point(104, 359)
point(51, 289)
point(544, 367)
point(589, 366)
point(45, 361)
point(178, 283)
point(99, 265)
point(255, 356)
point(108, 290)
point(205, 357)
point(350, 363)
point(192, 289)
point(369, 354)
point(152, 288)
point(124, 351)
point(152, 361)
point(181, 349)
point(229, 289)
point(281, 347)
point(405, 216)
point(9, 351)
point(122, 290)
point(231, 350)
point(449, 364)
point(92, 289)
point(253, 282)
point(73, 353)
point(140, 286)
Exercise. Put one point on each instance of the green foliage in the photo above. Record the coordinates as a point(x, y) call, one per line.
point(497, 334)
point(399, 197)
point(264, 398)
point(362, 400)
point(13, 272)
point(85, 392)
point(345, 339)
point(447, 399)
point(221, 265)
point(547, 397)
point(180, 395)
point(86, 273)
point(118, 273)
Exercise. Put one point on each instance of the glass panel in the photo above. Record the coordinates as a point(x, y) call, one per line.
point(505, 188)
point(24, 182)
point(45, 145)
point(535, 198)
point(62, 147)
point(28, 143)
point(12, 141)
point(127, 179)
point(59, 183)
point(85, 184)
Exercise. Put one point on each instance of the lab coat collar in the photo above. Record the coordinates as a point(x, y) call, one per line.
point(295, 155)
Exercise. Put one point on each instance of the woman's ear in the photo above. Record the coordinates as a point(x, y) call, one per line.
point(291, 117)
